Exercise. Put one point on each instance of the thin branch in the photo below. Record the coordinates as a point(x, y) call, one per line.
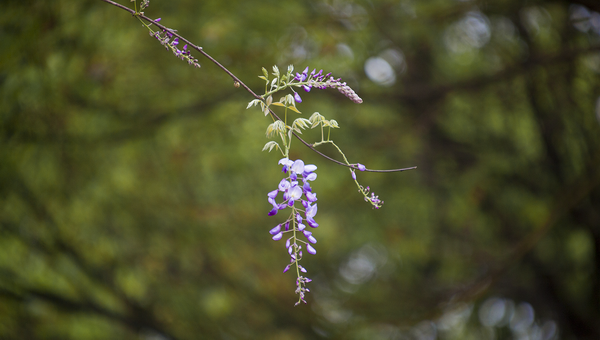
point(237, 80)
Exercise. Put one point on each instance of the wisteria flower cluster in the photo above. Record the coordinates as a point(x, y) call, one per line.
point(298, 218)
point(296, 186)
point(165, 37)
point(306, 81)
point(320, 81)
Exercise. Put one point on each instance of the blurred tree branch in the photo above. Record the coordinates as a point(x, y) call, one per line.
point(425, 93)
point(142, 128)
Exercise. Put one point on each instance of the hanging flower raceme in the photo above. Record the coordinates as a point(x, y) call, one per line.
point(297, 196)
point(165, 37)
point(319, 80)
point(296, 188)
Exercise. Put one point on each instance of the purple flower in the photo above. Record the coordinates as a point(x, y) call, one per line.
point(293, 191)
point(275, 230)
point(311, 197)
point(309, 236)
point(361, 167)
point(309, 176)
point(303, 76)
point(311, 211)
point(295, 194)
point(322, 82)
point(286, 164)
point(309, 168)
point(298, 166)
point(165, 39)
point(297, 97)
point(284, 185)
point(306, 188)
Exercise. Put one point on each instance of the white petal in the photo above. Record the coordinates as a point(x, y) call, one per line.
point(298, 166)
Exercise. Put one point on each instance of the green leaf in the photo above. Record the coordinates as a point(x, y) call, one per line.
point(290, 100)
point(275, 128)
point(270, 145)
point(316, 119)
point(301, 123)
point(264, 108)
point(253, 103)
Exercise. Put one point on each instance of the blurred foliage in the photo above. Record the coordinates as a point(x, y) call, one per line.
point(133, 190)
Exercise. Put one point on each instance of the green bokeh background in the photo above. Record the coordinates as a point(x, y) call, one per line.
point(133, 189)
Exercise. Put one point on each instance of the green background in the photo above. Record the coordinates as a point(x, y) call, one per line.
point(133, 187)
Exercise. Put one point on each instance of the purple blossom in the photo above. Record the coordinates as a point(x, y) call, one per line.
point(275, 230)
point(303, 76)
point(311, 211)
point(284, 185)
point(298, 166)
point(292, 191)
point(165, 37)
point(321, 81)
point(309, 236)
